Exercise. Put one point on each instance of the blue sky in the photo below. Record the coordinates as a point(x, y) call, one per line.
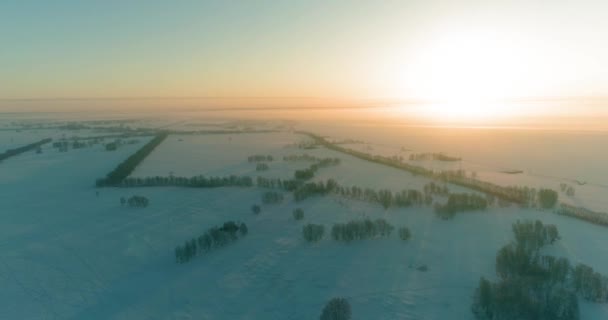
point(362, 49)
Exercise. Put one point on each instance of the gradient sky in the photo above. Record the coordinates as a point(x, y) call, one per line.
point(355, 49)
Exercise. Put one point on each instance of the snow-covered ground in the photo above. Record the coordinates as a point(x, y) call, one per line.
point(68, 253)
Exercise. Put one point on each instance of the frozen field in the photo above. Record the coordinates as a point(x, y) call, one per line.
point(68, 253)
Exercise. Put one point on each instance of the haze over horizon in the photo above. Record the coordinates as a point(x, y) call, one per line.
point(461, 58)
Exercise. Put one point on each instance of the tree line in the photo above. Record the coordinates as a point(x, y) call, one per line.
point(432, 156)
point(305, 157)
point(260, 158)
point(309, 173)
point(517, 195)
point(215, 237)
point(125, 168)
point(191, 182)
point(460, 202)
point(13, 152)
point(599, 218)
point(135, 201)
point(386, 198)
point(361, 229)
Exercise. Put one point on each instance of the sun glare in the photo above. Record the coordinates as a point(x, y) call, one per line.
point(464, 75)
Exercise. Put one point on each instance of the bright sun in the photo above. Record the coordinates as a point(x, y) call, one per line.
point(464, 75)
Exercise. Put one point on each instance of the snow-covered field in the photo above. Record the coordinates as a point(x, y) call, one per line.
point(68, 253)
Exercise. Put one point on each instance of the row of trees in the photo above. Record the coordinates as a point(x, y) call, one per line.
point(213, 238)
point(303, 157)
point(361, 229)
point(458, 177)
point(599, 218)
point(192, 182)
point(432, 156)
point(277, 183)
point(521, 195)
point(459, 202)
point(309, 173)
point(135, 201)
point(385, 197)
point(271, 197)
point(32, 146)
point(125, 168)
point(260, 158)
point(313, 232)
point(433, 188)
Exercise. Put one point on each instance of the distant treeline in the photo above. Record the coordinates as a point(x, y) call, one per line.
point(191, 182)
point(600, 218)
point(534, 286)
point(124, 169)
point(259, 158)
point(309, 173)
point(213, 238)
point(519, 195)
point(354, 230)
point(387, 198)
point(432, 156)
point(384, 197)
point(303, 157)
point(13, 152)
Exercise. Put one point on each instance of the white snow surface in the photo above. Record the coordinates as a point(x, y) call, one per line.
point(68, 253)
